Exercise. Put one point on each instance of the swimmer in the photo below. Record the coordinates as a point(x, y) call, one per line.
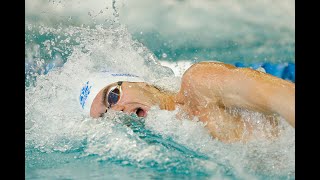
point(208, 91)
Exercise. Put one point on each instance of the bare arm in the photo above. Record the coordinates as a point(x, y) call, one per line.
point(228, 86)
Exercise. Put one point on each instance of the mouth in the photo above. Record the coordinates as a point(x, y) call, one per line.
point(141, 112)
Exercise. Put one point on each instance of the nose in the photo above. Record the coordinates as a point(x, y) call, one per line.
point(118, 108)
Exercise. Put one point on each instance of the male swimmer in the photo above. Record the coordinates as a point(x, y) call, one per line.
point(208, 91)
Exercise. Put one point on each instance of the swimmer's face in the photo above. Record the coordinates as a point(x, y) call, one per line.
point(135, 97)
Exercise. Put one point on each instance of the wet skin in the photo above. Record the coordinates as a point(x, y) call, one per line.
point(207, 90)
point(136, 97)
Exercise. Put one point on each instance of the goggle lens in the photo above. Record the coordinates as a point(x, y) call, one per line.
point(113, 96)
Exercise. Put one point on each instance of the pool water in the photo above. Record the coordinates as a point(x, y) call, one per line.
point(63, 142)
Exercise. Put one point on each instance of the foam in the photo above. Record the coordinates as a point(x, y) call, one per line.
point(55, 120)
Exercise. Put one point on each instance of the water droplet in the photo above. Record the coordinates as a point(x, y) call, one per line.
point(30, 27)
point(164, 55)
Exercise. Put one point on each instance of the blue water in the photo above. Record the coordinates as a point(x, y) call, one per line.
point(67, 41)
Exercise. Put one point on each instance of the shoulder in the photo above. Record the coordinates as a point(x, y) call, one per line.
point(206, 78)
point(209, 66)
point(205, 69)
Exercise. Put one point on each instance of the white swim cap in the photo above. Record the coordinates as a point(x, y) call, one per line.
point(92, 86)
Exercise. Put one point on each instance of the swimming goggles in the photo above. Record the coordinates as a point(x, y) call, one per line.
point(113, 95)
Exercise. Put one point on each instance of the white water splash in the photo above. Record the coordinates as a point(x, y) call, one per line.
point(55, 122)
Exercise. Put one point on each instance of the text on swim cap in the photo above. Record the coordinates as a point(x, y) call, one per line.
point(85, 91)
